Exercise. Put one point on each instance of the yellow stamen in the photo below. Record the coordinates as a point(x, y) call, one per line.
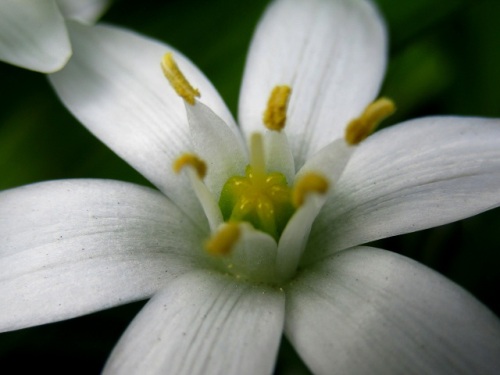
point(309, 183)
point(222, 242)
point(275, 114)
point(178, 81)
point(360, 128)
point(190, 160)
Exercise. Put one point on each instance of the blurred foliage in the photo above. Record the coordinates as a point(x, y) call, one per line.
point(444, 59)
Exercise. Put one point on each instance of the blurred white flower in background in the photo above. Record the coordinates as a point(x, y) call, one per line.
point(33, 33)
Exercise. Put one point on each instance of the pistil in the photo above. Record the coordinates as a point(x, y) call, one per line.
point(257, 159)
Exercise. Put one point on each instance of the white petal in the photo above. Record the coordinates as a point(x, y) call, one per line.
point(33, 35)
point(254, 256)
point(417, 175)
point(329, 162)
point(76, 246)
point(203, 324)
point(114, 85)
point(278, 155)
point(221, 148)
point(87, 11)
point(331, 53)
point(369, 311)
point(294, 238)
point(207, 200)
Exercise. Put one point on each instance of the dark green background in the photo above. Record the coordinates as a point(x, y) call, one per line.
point(444, 59)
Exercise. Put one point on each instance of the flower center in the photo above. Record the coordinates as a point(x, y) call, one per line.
point(261, 221)
point(259, 198)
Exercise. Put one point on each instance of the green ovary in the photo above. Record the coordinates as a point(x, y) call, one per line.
point(261, 199)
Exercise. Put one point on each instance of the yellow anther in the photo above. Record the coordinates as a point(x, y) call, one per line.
point(309, 183)
point(178, 81)
point(222, 242)
point(190, 160)
point(275, 114)
point(360, 128)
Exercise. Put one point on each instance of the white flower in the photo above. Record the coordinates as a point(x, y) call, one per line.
point(77, 246)
point(33, 33)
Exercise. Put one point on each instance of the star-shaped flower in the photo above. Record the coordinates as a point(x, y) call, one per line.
point(242, 243)
point(33, 33)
